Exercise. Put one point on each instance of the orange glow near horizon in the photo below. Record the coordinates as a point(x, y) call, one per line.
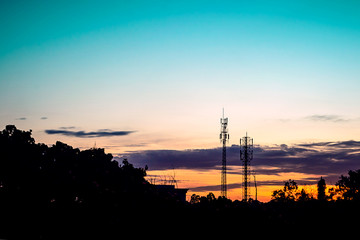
point(193, 179)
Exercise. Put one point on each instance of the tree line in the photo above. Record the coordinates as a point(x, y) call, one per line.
point(346, 188)
point(58, 191)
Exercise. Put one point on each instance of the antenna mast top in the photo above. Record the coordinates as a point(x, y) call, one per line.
point(224, 136)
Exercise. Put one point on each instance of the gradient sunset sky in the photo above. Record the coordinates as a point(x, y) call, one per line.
point(142, 77)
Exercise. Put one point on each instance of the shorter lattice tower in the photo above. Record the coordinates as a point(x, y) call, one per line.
point(246, 155)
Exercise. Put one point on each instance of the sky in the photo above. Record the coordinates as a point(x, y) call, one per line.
point(141, 77)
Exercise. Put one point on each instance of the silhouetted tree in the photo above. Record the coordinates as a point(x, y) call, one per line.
point(288, 193)
point(321, 187)
point(334, 193)
point(303, 196)
point(211, 197)
point(349, 186)
point(194, 199)
point(61, 186)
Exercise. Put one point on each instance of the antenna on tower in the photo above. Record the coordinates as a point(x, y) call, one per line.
point(224, 138)
point(246, 155)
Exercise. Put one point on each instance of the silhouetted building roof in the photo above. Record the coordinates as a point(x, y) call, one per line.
point(177, 193)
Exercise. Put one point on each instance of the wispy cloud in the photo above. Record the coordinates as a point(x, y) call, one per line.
point(321, 118)
point(83, 134)
point(326, 118)
point(21, 118)
point(66, 128)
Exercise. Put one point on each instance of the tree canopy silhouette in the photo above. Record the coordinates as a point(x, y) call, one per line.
point(349, 186)
point(63, 175)
point(288, 193)
point(321, 187)
point(36, 180)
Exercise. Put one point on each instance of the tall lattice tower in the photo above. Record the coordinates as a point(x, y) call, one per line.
point(246, 155)
point(224, 138)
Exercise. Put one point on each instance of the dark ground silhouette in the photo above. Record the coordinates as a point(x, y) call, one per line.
point(60, 192)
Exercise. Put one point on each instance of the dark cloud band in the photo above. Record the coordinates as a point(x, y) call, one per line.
point(83, 134)
point(322, 158)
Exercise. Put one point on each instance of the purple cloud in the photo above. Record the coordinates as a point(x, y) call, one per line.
point(322, 158)
point(82, 134)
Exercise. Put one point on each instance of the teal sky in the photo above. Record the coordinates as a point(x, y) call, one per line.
point(284, 70)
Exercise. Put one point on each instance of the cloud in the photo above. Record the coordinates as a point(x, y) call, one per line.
point(342, 144)
point(211, 188)
point(136, 145)
point(82, 134)
point(43, 118)
point(66, 128)
point(322, 158)
point(168, 159)
point(326, 118)
point(22, 118)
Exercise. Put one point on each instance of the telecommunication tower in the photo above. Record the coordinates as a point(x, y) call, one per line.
point(246, 155)
point(224, 138)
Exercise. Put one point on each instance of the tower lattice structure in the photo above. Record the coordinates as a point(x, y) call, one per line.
point(224, 138)
point(246, 156)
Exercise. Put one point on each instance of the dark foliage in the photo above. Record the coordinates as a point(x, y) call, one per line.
point(349, 186)
point(58, 191)
point(321, 187)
